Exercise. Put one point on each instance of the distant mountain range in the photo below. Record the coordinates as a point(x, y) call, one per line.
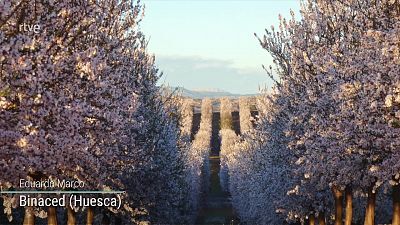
point(206, 93)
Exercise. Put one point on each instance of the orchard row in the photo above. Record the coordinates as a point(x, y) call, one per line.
point(79, 102)
point(326, 146)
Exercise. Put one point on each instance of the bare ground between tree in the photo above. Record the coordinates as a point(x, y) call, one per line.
point(217, 207)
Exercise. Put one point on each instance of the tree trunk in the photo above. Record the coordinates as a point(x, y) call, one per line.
point(51, 216)
point(338, 196)
point(29, 218)
point(370, 210)
point(349, 206)
point(396, 205)
point(321, 219)
point(71, 216)
point(90, 216)
point(312, 220)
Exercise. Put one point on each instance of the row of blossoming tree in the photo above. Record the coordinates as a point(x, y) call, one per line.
point(228, 156)
point(228, 138)
point(196, 153)
point(326, 145)
point(79, 101)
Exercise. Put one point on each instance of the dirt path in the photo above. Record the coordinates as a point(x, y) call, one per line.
point(217, 208)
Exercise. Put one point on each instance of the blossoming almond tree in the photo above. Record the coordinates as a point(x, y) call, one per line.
point(203, 140)
point(79, 98)
point(44, 108)
point(326, 89)
point(245, 114)
point(228, 139)
point(349, 131)
point(198, 156)
point(192, 155)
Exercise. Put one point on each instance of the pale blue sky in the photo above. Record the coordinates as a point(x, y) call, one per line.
point(202, 44)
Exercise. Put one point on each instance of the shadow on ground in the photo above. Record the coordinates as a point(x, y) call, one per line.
point(217, 207)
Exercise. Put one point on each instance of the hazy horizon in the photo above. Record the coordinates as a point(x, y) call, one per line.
point(211, 44)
